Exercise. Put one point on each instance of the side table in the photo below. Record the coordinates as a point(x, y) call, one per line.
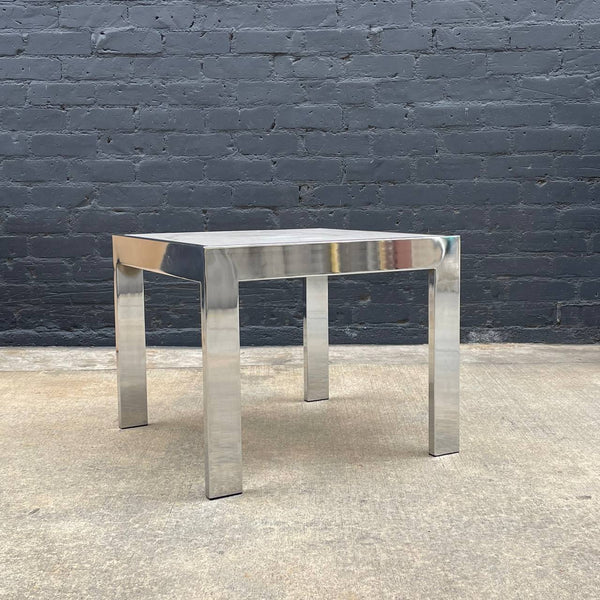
point(218, 261)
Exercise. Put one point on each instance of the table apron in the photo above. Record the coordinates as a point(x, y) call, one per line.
point(285, 261)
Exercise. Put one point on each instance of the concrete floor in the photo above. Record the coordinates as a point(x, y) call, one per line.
point(341, 499)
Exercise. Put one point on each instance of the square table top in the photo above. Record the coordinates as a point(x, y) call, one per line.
point(274, 237)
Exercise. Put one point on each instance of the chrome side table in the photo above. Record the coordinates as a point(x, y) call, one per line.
point(218, 261)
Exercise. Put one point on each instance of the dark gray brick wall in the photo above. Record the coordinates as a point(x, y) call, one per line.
point(476, 117)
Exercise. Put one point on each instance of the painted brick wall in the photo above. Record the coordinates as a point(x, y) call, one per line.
point(477, 117)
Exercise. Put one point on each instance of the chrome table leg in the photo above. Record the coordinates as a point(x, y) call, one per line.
point(131, 346)
point(221, 377)
point(316, 339)
point(444, 351)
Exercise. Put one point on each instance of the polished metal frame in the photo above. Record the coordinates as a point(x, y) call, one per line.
point(218, 261)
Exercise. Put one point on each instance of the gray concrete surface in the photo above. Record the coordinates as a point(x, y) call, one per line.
point(341, 499)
